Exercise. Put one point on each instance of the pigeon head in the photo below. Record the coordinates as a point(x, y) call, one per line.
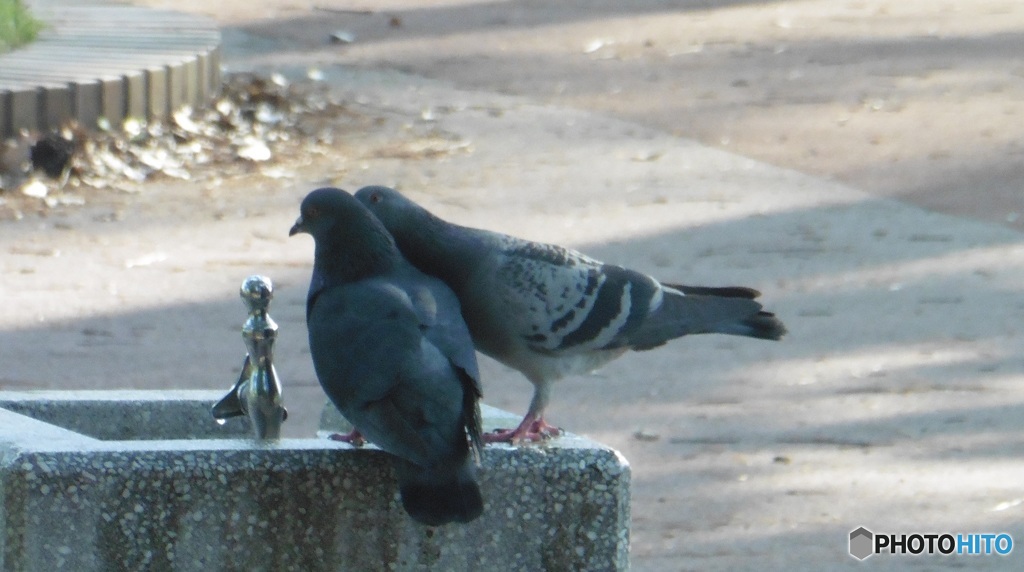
point(399, 215)
point(349, 239)
point(320, 211)
point(434, 246)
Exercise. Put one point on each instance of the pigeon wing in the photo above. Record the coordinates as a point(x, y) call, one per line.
point(441, 321)
point(562, 301)
point(387, 378)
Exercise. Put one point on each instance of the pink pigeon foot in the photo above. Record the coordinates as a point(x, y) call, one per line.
point(530, 430)
point(355, 438)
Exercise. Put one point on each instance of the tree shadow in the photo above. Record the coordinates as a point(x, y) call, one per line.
point(373, 25)
point(849, 79)
point(900, 368)
point(900, 360)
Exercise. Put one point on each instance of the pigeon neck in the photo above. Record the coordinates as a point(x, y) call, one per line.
point(350, 256)
point(440, 249)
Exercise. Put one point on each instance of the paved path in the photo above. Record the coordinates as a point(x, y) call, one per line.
point(895, 402)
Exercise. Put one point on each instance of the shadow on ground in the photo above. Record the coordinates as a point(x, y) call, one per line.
point(900, 375)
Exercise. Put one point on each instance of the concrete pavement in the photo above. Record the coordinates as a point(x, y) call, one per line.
point(894, 403)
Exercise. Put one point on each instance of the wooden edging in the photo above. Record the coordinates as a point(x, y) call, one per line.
point(95, 60)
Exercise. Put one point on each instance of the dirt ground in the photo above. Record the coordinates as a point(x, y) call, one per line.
point(899, 382)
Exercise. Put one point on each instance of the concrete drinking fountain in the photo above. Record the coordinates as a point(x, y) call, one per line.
point(149, 480)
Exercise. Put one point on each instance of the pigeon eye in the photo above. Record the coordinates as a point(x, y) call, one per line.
point(312, 213)
point(375, 198)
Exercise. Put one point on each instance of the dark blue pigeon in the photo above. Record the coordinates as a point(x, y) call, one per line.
point(391, 351)
point(548, 311)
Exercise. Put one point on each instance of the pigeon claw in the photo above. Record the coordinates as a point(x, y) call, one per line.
point(355, 438)
point(529, 431)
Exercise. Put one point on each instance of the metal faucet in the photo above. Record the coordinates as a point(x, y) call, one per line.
point(257, 393)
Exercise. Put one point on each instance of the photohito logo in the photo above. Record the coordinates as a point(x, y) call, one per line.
point(864, 543)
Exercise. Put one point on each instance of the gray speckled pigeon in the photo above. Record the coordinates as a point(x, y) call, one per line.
point(548, 311)
point(391, 351)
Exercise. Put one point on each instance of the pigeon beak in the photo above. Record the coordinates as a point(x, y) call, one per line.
point(297, 227)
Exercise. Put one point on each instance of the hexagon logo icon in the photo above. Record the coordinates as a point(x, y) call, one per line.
point(861, 541)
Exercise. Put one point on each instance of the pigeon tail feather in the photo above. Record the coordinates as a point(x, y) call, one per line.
point(436, 497)
point(763, 325)
point(720, 291)
point(473, 419)
point(681, 315)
